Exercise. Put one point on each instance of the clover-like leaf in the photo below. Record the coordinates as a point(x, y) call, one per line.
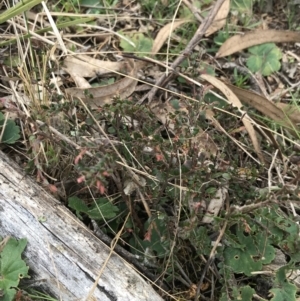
point(243, 293)
point(284, 231)
point(283, 290)
point(11, 132)
point(12, 267)
point(257, 251)
point(264, 58)
point(140, 45)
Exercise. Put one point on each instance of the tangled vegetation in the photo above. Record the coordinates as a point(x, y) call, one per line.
point(207, 167)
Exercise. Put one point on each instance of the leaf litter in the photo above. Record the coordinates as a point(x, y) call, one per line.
point(220, 19)
point(253, 38)
point(99, 96)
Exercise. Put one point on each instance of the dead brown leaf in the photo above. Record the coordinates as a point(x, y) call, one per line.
point(243, 41)
point(164, 33)
point(83, 66)
point(220, 19)
point(233, 99)
point(100, 96)
point(80, 81)
point(205, 145)
point(86, 66)
point(266, 107)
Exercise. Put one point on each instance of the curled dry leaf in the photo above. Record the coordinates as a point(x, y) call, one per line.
point(233, 99)
point(164, 33)
point(243, 41)
point(100, 96)
point(80, 81)
point(205, 144)
point(130, 186)
point(215, 205)
point(220, 19)
point(288, 119)
point(85, 66)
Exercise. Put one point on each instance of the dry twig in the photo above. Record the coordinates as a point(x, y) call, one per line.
point(163, 80)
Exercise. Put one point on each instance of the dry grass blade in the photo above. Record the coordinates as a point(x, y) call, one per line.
point(100, 96)
point(112, 245)
point(233, 99)
point(243, 41)
point(191, 45)
point(220, 19)
point(292, 111)
point(55, 30)
point(210, 115)
point(266, 107)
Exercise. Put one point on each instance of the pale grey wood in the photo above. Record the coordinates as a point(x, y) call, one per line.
point(61, 250)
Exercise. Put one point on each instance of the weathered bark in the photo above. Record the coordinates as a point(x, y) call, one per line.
point(60, 248)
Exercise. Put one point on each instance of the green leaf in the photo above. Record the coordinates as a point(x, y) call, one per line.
point(200, 239)
point(12, 267)
point(139, 44)
point(13, 61)
point(284, 231)
point(242, 6)
point(221, 37)
point(283, 291)
point(18, 9)
point(214, 100)
point(78, 205)
point(243, 293)
point(257, 251)
point(103, 210)
point(243, 10)
point(156, 240)
point(265, 59)
point(11, 132)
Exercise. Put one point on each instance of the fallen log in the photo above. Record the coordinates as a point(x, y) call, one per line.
point(61, 250)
